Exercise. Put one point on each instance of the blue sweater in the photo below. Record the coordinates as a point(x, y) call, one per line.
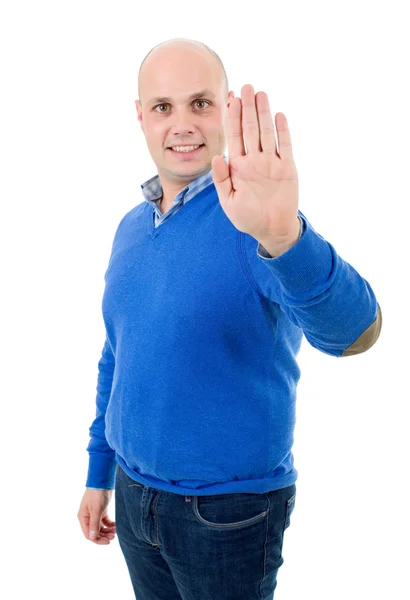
point(197, 380)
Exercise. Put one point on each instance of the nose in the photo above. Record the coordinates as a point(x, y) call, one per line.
point(182, 123)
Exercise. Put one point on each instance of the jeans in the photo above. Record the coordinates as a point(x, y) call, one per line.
point(219, 547)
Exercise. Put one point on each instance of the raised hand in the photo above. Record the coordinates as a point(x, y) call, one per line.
point(258, 189)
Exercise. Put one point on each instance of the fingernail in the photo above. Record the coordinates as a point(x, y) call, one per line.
point(93, 533)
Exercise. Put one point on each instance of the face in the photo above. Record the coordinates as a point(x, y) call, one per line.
point(171, 113)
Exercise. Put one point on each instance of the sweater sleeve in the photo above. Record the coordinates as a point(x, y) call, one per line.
point(102, 462)
point(319, 292)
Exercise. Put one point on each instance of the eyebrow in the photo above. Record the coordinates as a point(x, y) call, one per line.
point(200, 94)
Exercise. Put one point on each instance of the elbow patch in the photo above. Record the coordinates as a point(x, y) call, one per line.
point(367, 338)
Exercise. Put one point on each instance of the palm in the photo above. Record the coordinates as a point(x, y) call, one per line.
point(257, 190)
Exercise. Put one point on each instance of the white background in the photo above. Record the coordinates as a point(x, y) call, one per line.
point(73, 157)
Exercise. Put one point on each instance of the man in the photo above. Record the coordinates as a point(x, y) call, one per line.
point(211, 284)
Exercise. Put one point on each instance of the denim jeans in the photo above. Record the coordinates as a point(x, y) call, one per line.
point(219, 547)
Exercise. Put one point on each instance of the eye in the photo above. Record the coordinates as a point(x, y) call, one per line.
point(203, 101)
point(166, 104)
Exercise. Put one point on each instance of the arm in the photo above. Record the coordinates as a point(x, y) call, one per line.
point(321, 293)
point(102, 463)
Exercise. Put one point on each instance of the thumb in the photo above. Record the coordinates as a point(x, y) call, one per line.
point(221, 177)
point(95, 523)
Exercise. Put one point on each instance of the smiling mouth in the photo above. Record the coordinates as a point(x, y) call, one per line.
point(186, 145)
point(189, 153)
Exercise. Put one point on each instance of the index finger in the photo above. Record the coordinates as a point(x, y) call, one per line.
point(234, 129)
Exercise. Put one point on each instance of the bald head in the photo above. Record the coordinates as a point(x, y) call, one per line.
point(178, 52)
point(183, 100)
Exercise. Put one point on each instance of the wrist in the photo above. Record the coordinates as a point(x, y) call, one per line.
point(276, 249)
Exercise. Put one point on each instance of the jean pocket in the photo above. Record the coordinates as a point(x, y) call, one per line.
point(230, 511)
point(129, 481)
point(290, 505)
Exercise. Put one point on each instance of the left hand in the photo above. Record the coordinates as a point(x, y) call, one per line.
point(258, 191)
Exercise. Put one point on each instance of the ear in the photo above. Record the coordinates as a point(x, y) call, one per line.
point(139, 108)
point(139, 112)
